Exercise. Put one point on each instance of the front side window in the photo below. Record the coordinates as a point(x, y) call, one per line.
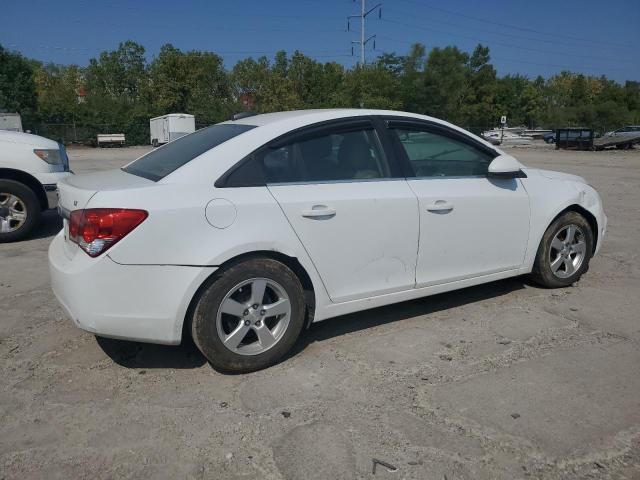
point(435, 155)
point(159, 163)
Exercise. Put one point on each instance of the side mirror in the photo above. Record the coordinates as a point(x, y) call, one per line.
point(505, 166)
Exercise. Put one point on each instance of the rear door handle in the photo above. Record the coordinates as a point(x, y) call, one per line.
point(319, 211)
point(441, 206)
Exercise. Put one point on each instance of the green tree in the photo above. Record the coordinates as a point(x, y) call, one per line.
point(191, 82)
point(58, 88)
point(124, 90)
point(269, 85)
point(372, 86)
point(445, 83)
point(479, 109)
point(17, 87)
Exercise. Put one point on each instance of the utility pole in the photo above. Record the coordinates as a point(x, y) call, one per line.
point(364, 13)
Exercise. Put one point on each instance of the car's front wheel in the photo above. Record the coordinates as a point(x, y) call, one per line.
point(249, 316)
point(19, 211)
point(564, 252)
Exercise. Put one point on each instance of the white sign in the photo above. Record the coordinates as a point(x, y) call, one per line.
point(503, 119)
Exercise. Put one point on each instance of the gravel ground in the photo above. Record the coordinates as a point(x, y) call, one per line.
point(504, 380)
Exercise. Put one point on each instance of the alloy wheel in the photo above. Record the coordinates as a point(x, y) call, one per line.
point(13, 212)
point(568, 251)
point(253, 316)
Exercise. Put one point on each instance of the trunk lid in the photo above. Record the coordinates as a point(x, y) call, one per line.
point(75, 193)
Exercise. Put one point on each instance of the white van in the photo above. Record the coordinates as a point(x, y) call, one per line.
point(30, 168)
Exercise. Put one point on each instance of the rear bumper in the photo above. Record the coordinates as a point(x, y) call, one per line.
point(146, 303)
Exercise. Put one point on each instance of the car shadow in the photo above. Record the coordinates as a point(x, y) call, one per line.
point(50, 225)
point(335, 327)
point(130, 354)
point(143, 355)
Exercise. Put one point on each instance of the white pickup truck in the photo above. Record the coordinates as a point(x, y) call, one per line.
point(30, 168)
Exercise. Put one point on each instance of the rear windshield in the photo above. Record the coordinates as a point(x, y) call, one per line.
point(161, 162)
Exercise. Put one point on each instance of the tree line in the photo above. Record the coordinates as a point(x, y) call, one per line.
point(120, 90)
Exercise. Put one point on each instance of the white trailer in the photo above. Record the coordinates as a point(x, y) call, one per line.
point(167, 128)
point(11, 122)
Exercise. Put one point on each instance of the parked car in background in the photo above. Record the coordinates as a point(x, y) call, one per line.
point(30, 168)
point(628, 131)
point(549, 137)
point(241, 234)
point(577, 138)
point(167, 128)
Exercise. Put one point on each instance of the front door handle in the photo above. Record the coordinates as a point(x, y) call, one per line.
point(319, 211)
point(440, 206)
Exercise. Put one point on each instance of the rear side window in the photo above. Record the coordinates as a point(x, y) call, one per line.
point(161, 162)
point(334, 155)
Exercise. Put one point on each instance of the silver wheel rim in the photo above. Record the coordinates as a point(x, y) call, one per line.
point(567, 252)
point(253, 316)
point(13, 212)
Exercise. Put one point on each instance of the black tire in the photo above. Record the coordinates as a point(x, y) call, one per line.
point(31, 204)
point(542, 272)
point(204, 330)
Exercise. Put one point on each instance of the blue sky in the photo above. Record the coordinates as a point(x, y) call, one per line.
point(528, 37)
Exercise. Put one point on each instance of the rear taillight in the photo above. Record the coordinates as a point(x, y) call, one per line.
point(96, 230)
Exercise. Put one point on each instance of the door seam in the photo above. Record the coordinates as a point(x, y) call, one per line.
point(301, 243)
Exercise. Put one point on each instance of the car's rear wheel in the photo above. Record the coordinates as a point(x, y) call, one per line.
point(19, 211)
point(564, 252)
point(249, 316)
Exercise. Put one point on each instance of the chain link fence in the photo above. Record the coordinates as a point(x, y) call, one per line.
point(136, 133)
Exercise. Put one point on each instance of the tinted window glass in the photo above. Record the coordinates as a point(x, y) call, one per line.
point(434, 155)
point(164, 160)
point(346, 155)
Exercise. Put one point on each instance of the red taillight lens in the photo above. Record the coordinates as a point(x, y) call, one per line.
point(96, 230)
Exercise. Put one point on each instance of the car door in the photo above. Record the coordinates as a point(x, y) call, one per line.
point(470, 224)
point(350, 206)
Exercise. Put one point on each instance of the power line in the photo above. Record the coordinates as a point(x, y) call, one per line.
point(506, 45)
point(516, 27)
point(514, 60)
point(490, 32)
point(364, 13)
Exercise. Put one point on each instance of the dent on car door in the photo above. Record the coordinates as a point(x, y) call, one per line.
point(356, 221)
point(470, 224)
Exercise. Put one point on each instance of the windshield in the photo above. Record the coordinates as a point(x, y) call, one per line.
point(161, 162)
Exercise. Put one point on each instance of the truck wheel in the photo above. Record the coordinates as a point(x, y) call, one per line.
point(19, 211)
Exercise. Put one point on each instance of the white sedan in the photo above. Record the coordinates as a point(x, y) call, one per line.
point(243, 233)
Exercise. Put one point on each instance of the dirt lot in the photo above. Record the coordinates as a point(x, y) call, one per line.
point(504, 380)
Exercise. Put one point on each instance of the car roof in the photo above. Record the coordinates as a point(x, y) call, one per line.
point(318, 115)
point(292, 119)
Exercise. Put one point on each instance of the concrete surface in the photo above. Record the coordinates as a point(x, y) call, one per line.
point(504, 381)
